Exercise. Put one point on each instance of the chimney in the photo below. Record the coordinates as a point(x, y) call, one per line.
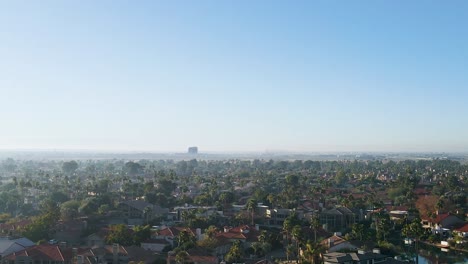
point(199, 234)
point(330, 243)
point(257, 227)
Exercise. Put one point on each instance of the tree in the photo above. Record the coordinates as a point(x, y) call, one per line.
point(89, 206)
point(252, 206)
point(312, 252)
point(384, 225)
point(315, 225)
point(133, 168)
point(235, 253)
point(39, 229)
point(256, 246)
point(69, 167)
point(119, 234)
point(340, 177)
point(289, 223)
point(357, 230)
point(140, 234)
point(226, 198)
point(296, 232)
point(186, 240)
point(103, 209)
point(413, 229)
point(211, 231)
point(148, 213)
point(182, 257)
point(69, 209)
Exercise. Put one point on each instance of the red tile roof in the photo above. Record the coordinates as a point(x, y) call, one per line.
point(438, 219)
point(174, 231)
point(336, 240)
point(40, 252)
point(246, 232)
point(46, 252)
point(462, 228)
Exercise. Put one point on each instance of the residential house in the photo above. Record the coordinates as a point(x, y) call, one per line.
point(277, 216)
point(442, 223)
point(115, 254)
point(462, 230)
point(337, 219)
point(140, 255)
point(170, 234)
point(139, 211)
point(156, 245)
point(70, 231)
point(245, 234)
point(201, 211)
point(337, 243)
point(97, 239)
point(10, 245)
point(49, 254)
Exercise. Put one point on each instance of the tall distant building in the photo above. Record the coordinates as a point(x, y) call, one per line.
point(193, 150)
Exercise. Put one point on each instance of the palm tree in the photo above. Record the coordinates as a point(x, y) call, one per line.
point(315, 224)
point(252, 206)
point(440, 203)
point(296, 232)
point(313, 252)
point(147, 212)
point(287, 226)
point(226, 198)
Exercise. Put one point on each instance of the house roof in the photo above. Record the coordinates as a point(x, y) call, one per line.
point(138, 254)
point(338, 257)
point(174, 231)
point(139, 204)
point(108, 249)
point(439, 218)
point(102, 233)
point(40, 252)
point(156, 241)
point(246, 232)
point(336, 240)
point(338, 211)
point(19, 243)
point(462, 228)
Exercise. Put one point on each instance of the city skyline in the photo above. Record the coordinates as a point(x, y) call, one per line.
point(160, 76)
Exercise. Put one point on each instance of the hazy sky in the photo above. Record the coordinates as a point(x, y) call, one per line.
point(234, 75)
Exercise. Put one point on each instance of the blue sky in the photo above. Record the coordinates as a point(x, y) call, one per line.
point(234, 75)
